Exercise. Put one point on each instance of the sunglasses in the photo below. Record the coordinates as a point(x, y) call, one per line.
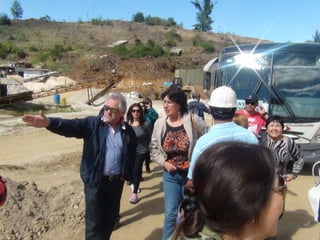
point(135, 110)
point(113, 110)
point(250, 103)
point(282, 188)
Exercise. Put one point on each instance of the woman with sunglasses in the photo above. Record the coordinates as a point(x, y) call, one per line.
point(172, 142)
point(289, 160)
point(135, 118)
point(230, 200)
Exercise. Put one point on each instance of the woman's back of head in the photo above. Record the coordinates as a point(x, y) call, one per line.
point(241, 120)
point(232, 185)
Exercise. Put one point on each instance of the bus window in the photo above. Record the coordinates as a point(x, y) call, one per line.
point(294, 59)
point(300, 89)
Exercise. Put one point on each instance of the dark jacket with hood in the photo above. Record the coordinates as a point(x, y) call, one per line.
point(92, 131)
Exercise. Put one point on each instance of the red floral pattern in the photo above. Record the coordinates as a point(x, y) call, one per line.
point(176, 144)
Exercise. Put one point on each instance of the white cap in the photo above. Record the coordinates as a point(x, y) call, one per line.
point(223, 97)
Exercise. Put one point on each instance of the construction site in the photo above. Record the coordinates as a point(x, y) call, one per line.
point(144, 79)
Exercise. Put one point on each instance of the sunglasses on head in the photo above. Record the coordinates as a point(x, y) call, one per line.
point(282, 188)
point(113, 110)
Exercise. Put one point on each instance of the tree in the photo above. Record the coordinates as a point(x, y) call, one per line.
point(138, 17)
point(316, 37)
point(203, 16)
point(4, 19)
point(16, 9)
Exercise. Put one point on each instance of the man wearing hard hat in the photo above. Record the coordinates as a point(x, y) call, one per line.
point(223, 104)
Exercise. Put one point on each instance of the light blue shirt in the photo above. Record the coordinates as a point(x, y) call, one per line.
point(222, 132)
point(113, 155)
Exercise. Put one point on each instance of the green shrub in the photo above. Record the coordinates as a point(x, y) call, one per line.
point(58, 51)
point(45, 18)
point(120, 50)
point(9, 48)
point(101, 22)
point(12, 38)
point(41, 57)
point(33, 48)
point(196, 40)
point(4, 19)
point(96, 21)
point(21, 54)
point(138, 17)
point(149, 20)
point(170, 43)
point(140, 49)
point(170, 22)
point(173, 35)
point(207, 46)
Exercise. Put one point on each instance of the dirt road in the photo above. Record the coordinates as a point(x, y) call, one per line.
point(46, 191)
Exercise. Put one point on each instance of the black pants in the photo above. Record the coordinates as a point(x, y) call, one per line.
point(147, 161)
point(102, 207)
point(137, 172)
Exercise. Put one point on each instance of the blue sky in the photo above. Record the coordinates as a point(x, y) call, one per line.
point(275, 20)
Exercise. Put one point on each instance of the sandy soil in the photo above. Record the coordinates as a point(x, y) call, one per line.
point(45, 198)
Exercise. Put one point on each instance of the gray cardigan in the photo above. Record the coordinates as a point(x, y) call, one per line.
point(159, 130)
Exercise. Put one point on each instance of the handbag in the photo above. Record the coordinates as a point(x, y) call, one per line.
point(314, 192)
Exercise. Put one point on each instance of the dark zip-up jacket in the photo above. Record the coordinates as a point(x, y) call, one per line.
point(92, 131)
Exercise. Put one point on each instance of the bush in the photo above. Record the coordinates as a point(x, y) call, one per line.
point(206, 45)
point(45, 18)
point(10, 49)
point(140, 50)
point(100, 22)
point(120, 50)
point(42, 57)
point(170, 43)
point(138, 17)
point(21, 54)
point(170, 22)
point(173, 35)
point(4, 19)
point(196, 40)
point(33, 48)
point(159, 21)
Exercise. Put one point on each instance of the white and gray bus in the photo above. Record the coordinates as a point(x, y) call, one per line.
point(286, 79)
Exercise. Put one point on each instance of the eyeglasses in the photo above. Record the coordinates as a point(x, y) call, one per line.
point(250, 103)
point(167, 102)
point(135, 110)
point(113, 110)
point(282, 188)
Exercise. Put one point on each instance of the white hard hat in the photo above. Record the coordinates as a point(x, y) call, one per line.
point(223, 97)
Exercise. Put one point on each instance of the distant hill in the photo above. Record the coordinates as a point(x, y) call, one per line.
point(84, 45)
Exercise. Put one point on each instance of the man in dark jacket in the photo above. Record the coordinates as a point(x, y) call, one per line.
point(107, 160)
point(197, 107)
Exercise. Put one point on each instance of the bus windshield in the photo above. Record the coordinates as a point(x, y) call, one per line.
point(287, 83)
